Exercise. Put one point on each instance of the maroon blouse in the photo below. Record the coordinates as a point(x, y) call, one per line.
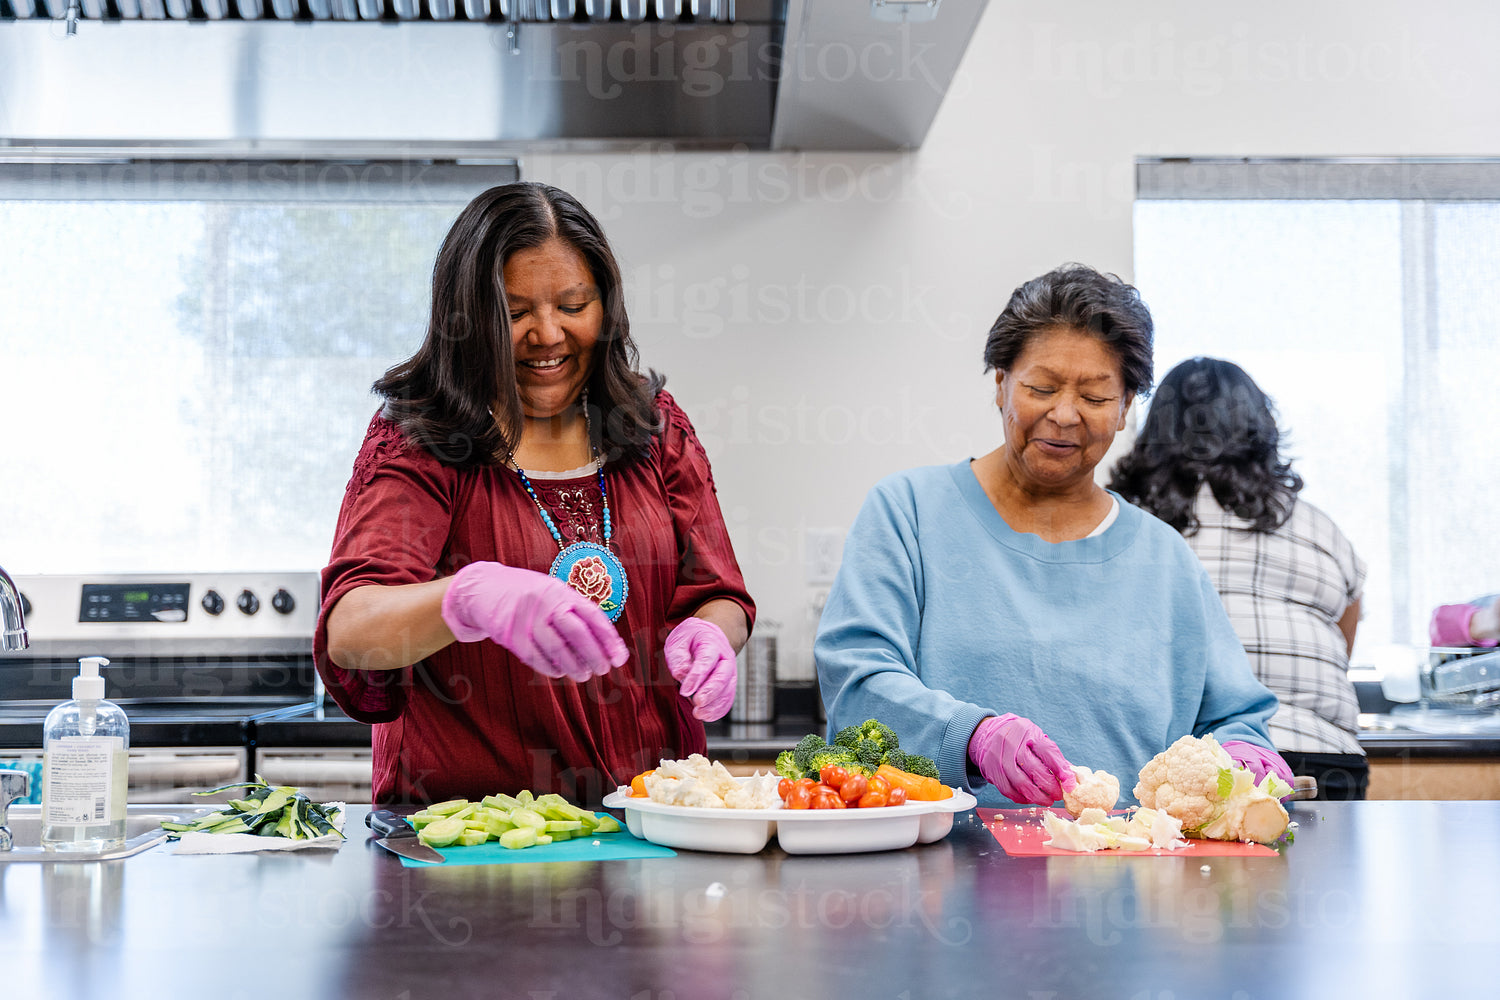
point(472, 719)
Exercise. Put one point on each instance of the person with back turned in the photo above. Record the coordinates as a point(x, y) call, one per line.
point(1208, 462)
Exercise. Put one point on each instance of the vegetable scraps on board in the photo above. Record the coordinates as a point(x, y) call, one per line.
point(266, 811)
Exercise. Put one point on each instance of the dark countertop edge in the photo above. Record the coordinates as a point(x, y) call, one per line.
point(1406, 744)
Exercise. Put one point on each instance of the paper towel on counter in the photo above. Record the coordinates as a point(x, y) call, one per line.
point(244, 843)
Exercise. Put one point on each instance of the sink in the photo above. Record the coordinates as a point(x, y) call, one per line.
point(142, 832)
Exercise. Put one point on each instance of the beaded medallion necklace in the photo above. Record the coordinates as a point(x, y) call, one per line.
point(588, 567)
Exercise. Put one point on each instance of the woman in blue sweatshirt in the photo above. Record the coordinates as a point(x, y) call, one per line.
point(985, 604)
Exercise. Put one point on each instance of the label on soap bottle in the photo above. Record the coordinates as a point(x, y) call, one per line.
point(78, 784)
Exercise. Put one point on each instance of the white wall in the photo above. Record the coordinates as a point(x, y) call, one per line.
point(821, 317)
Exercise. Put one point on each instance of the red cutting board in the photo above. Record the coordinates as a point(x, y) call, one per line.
point(1021, 833)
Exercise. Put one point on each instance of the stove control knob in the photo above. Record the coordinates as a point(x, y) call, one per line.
point(247, 602)
point(213, 603)
point(283, 602)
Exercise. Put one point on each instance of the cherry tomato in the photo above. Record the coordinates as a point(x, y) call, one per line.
point(828, 798)
point(873, 799)
point(805, 783)
point(783, 786)
point(880, 784)
point(855, 786)
point(897, 797)
point(800, 797)
point(834, 776)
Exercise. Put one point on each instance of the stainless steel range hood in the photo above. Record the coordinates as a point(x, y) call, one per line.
point(763, 74)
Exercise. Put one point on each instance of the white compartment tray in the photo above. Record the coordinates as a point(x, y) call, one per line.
point(799, 831)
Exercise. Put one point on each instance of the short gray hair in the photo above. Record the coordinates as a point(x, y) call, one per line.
point(1078, 297)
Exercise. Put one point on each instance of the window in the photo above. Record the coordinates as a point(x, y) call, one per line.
point(188, 350)
point(1367, 316)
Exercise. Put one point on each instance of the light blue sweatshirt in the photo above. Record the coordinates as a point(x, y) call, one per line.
point(941, 614)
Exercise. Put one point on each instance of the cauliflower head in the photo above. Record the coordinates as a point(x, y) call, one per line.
point(1196, 781)
point(1095, 790)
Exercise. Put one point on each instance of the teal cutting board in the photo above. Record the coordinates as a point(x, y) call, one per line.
point(620, 846)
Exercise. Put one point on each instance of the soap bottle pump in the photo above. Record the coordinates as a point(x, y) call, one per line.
point(85, 750)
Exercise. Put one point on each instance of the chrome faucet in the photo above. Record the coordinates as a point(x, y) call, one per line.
point(12, 619)
point(13, 785)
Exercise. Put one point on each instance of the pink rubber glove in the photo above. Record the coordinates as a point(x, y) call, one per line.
point(1020, 760)
point(700, 657)
point(551, 628)
point(1453, 625)
point(1259, 761)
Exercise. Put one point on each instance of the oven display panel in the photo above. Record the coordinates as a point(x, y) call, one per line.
point(134, 602)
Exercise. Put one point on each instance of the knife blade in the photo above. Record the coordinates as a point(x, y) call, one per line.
point(399, 837)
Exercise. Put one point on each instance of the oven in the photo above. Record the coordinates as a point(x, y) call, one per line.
point(214, 671)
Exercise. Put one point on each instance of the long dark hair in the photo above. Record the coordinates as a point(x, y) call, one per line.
point(457, 395)
point(1211, 424)
point(1080, 298)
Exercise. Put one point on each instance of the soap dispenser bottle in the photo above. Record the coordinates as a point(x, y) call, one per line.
point(85, 749)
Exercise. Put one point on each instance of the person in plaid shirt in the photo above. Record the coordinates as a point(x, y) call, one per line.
point(1208, 462)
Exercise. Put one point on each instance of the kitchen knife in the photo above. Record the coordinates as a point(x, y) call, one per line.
point(399, 837)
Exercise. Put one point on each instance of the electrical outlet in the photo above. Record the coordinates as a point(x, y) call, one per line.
point(824, 550)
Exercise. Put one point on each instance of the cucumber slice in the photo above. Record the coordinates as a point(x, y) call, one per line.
point(607, 824)
point(563, 826)
point(521, 836)
point(501, 801)
point(441, 833)
point(526, 817)
point(447, 808)
point(472, 838)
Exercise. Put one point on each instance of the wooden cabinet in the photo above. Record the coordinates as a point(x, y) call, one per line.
point(1434, 777)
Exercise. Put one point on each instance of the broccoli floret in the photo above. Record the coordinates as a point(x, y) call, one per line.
point(870, 753)
point(786, 765)
point(847, 737)
point(885, 736)
point(917, 764)
point(805, 748)
point(840, 756)
point(896, 758)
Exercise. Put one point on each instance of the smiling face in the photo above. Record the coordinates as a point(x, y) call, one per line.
point(1062, 402)
point(556, 317)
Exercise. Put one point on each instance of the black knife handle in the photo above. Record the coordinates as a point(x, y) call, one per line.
point(386, 823)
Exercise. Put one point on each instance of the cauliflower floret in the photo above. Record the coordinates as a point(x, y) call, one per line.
point(1196, 781)
point(1162, 829)
point(682, 792)
point(1069, 835)
point(756, 792)
point(695, 781)
point(1095, 790)
point(1096, 830)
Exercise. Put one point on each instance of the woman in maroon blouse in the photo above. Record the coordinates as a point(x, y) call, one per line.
point(531, 584)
